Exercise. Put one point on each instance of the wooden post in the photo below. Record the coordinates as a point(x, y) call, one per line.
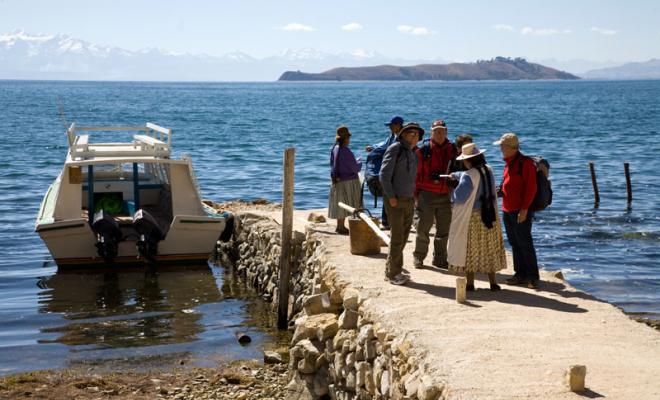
point(287, 232)
point(626, 169)
point(595, 184)
point(575, 378)
point(461, 289)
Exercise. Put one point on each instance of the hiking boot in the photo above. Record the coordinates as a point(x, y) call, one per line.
point(441, 265)
point(516, 280)
point(417, 263)
point(533, 284)
point(399, 279)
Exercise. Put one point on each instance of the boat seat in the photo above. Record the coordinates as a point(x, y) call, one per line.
point(82, 139)
point(148, 140)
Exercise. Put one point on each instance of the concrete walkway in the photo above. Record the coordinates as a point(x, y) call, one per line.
point(512, 344)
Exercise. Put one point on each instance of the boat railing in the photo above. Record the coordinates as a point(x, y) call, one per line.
point(150, 139)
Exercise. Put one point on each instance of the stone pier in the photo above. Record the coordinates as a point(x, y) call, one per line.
point(355, 336)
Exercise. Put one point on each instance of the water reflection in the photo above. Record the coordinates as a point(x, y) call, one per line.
point(137, 319)
point(127, 309)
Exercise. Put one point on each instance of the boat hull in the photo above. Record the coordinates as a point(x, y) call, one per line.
point(191, 239)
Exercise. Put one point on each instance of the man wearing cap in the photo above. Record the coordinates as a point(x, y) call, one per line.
point(397, 177)
point(434, 159)
point(375, 160)
point(518, 190)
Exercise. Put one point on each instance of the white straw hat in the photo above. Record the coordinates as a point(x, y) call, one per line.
point(469, 150)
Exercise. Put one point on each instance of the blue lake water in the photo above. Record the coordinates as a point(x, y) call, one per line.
point(236, 133)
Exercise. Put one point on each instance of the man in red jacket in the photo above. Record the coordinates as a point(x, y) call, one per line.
point(518, 191)
point(434, 159)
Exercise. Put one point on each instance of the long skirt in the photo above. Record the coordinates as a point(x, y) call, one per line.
point(347, 192)
point(485, 247)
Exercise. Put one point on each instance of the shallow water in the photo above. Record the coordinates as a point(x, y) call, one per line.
point(236, 133)
point(138, 319)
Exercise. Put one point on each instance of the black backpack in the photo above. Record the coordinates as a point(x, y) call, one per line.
point(488, 212)
point(543, 196)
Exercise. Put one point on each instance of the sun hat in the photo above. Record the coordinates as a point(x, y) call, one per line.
point(469, 150)
point(395, 120)
point(437, 124)
point(508, 139)
point(342, 132)
point(413, 126)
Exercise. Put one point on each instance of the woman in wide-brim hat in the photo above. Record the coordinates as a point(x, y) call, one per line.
point(475, 236)
point(346, 186)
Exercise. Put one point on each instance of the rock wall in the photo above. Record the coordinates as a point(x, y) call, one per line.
point(338, 350)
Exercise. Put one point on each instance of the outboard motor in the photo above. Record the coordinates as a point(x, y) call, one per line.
point(228, 232)
point(108, 235)
point(150, 234)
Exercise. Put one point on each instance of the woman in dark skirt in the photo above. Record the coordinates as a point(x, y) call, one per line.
point(345, 187)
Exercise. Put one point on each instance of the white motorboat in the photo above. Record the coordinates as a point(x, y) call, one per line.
point(127, 202)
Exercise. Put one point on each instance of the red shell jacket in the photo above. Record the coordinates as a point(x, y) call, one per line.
point(518, 188)
point(441, 156)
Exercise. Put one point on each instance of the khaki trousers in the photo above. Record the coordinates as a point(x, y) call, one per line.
point(433, 207)
point(400, 219)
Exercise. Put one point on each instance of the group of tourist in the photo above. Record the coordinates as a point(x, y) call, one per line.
point(449, 185)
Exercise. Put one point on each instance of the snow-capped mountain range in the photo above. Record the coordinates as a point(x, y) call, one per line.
point(28, 56)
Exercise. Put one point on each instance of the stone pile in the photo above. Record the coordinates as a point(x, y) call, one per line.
point(338, 350)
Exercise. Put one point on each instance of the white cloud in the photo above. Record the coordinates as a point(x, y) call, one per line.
point(544, 31)
point(415, 30)
point(353, 26)
point(295, 26)
point(603, 31)
point(503, 28)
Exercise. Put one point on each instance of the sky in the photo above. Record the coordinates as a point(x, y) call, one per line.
point(466, 30)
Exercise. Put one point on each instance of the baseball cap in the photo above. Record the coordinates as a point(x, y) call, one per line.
point(508, 139)
point(438, 123)
point(395, 120)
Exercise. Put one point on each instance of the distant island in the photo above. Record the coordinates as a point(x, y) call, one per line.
point(499, 68)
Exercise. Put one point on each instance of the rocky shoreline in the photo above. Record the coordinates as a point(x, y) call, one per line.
point(239, 380)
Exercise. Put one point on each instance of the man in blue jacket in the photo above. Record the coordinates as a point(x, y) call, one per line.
point(375, 160)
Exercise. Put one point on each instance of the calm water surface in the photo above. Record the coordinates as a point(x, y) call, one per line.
point(236, 134)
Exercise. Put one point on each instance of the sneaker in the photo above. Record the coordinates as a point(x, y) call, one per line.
point(417, 263)
point(533, 284)
point(399, 279)
point(516, 280)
